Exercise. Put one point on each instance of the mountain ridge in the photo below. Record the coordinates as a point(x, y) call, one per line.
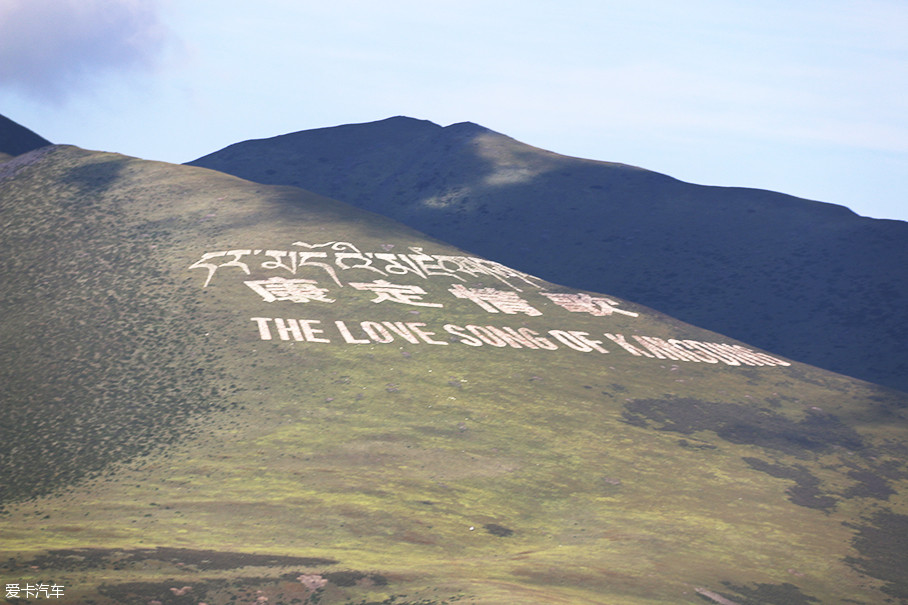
point(787, 274)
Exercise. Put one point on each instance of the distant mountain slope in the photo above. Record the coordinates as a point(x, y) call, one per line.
point(806, 279)
point(16, 139)
point(217, 391)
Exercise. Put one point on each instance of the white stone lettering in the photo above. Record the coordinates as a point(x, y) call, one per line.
point(514, 338)
point(334, 255)
point(376, 332)
point(692, 348)
point(487, 336)
point(347, 336)
point(724, 356)
point(429, 265)
point(402, 330)
point(309, 331)
point(497, 270)
point(385, 290)
point(745, 355)
point(385, 332)
point(425, 336)
point(584, 303)
point(766, 359)
point(363, 260)
point(501, 337)
point(621, 341)
point(262, 322)
point(292, 290)
point(394, 264)
point(305, 262)
point(279, 260)
point(579, 341)
point(495, 301)
point(662, 349)
point(535, 338)
point(462, 335)
point(301, 330)
point(696, 351)
point(212, 267)
point(287, 328)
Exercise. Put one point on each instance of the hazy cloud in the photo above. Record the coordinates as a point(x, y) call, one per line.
point(51, 48)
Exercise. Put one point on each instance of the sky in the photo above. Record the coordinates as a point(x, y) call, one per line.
point(803, 97)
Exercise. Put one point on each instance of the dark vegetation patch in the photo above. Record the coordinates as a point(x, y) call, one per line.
point(805, 492)
point(874, 477)
point(294, 588)
point(744, 424)
point(498, 530)
point(770, 594)
point(188, 587)
point(168, 593)
point(873, 482)
point(870, 485)
point(93, 558)
point(404, 600)
point(103, 358)
point(883, 544)
point(217, 590)
point(350, 578)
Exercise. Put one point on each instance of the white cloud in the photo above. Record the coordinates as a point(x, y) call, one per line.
point(50, 49)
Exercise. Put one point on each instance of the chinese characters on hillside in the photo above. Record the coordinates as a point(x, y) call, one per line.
point(315, 274)
point(330, 260)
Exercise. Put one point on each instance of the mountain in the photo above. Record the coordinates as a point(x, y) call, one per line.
point(217, 391)
point(808, 280)
point(16, 139)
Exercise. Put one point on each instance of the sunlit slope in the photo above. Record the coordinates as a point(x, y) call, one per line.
point(217, 391)
point(808, 280)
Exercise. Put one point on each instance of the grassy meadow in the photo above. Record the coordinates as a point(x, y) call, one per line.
point(157, 448)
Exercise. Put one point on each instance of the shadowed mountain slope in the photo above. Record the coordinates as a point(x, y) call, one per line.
point(805, 279)
point(16, 139)
point(219, 391)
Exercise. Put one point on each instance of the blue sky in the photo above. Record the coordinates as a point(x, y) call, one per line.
point(804, 97)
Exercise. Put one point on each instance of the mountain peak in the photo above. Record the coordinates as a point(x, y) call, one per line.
point(16, 139)
point(470, 127)
point(745, 262)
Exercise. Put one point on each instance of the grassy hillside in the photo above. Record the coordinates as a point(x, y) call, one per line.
point(224, 392)
point(805, 279)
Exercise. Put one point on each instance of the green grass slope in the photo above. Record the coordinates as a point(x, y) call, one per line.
point(805, 279)
point(219, 392)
